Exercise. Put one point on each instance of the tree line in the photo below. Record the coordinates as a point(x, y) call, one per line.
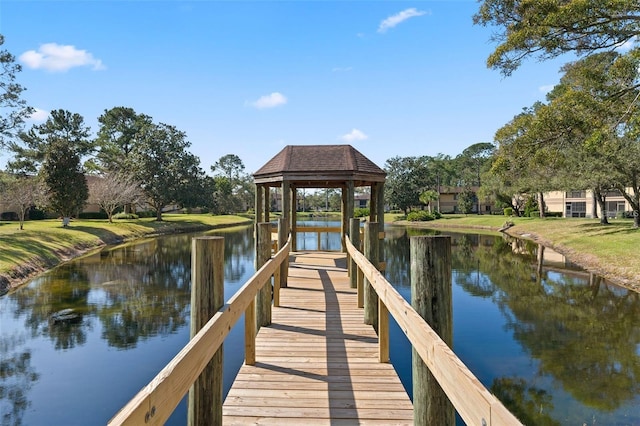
point(585, 135)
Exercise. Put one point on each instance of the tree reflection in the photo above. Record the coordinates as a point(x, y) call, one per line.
point(530, 405)
point(238, 252)
point(16, 377)
point(67, 287)
point(146, 288)
point(584, 333)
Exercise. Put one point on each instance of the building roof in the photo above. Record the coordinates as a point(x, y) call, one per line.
point(319, 166)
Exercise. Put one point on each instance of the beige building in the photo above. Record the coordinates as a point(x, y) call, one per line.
point(581, 203)
point(448, 202)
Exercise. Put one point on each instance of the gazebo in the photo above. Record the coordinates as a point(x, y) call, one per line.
point(318, 166)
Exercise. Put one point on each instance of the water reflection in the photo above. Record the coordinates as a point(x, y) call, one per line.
point(581, 333)
point(17, 374)
point(134, 298)
point(557, 345)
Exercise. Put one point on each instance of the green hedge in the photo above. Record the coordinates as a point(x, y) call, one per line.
point(420, 216)
point(125, 216)
point(360, 212)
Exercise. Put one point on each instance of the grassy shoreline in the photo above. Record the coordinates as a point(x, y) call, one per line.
point(606, 250)
point(45, 244)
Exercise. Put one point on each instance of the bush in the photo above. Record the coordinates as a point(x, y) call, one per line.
point(534, 213)
point(13, 216)
point(125, 216)
point(553, 214)
point(361, 212)
point(437, 214)
point(146, 213)
point(93, 215)
point(420, 216)
point(36, 214)
point(508, 211)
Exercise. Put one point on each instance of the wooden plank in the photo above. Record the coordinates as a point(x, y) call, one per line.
point(317, 363)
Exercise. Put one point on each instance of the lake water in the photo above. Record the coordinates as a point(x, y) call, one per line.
point(559, 346)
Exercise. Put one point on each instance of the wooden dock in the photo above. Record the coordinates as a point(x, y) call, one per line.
point(317, 363)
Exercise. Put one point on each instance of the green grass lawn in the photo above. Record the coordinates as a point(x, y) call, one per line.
point(44, 243)
point(609, 250)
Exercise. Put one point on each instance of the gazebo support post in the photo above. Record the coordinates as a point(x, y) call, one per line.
point(294, 218)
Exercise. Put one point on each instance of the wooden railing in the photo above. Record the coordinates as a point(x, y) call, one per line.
point(156, 401)
point(473, 402)
point(318, 230)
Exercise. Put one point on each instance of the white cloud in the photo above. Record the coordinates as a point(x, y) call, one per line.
point(399, 18)
point(354, 135)
point(269, 101)
point(59, 57)
point(38, 116)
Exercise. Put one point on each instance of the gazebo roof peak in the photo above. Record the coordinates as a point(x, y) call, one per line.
point(319, 163)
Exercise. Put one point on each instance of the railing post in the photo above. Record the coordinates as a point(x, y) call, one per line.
point(263, 299)
point(283, 236)
point(354, 236)
point(207, 296)
point(383, 332)
point(431, 298)
point(371, 253)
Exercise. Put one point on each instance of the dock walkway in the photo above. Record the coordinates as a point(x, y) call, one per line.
point(317, 363)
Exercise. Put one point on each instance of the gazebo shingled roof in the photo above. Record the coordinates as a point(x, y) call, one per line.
point(319, 166)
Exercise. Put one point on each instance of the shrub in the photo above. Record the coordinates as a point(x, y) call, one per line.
point(9, 216)
point(146, 213)
point(360, 212)
point(36, 214)
point(553, 214)
point(420, 216)
point(437, 214)
point(534, 213)
point(125, 216)
point(508, 211)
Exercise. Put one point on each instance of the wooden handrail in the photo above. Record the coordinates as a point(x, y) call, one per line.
point(156, 401)
point(474, 403)
point(318, 230)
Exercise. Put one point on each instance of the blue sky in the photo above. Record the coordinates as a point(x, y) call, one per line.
point(391, 78)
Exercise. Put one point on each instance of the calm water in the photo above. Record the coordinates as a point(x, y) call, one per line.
point(558, 346)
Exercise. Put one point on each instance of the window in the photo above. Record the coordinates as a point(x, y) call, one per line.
point(576, 194)
point(576, 209)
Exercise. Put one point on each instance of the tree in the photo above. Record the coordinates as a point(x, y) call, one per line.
point(552, 27)
point(466, 198)
point(428, 196)
point(117, 134)
point(65, 180)
point(22, 193)
point(230, 166)
point(232, 183)
point(406, 180)
point(473, 161)
point(14, 108)
point(113, 190)
point(34, 145)
point(167, 172)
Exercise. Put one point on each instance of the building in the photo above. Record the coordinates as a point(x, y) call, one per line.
point(448, 202)
point(582, 204)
